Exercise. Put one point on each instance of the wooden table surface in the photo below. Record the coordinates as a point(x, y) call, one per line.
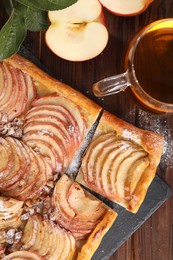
point(154, 240)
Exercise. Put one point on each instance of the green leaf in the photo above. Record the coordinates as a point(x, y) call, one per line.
point(12, 35)
point(35, 20)
point(47, 5)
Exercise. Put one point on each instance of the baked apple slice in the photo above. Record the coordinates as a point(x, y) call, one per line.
point(29, 174)
point(23, 255)
point(64, 125)
point(16, 171)
point(16, 93)
point(10, 213)
point(122, 167)
point(8, 88)
point(6, 156)
point(51, 143)
point(57, 115)
point(47, 239)
point(76, 209)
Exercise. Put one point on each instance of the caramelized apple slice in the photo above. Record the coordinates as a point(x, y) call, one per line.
point(17, 91)
point(108, 165)
point(123, 171)
point(7, 90)
point(7, 163)
point(73, 109)
point(134, 174)
point(23, 255)
point(56, 245)
point(31, 95)
point(34, 189)
point(92, 153)
point(75, 209)
point(47, 239)
point(59, 124)
point(11, 104)
point(18, 107)
point(102, 166)
point(10, 212)
point(29, 181)
point(15, 172)
point(51, 128)
point(57, 112)
point(51, 141)
point(47, 151)
point(5, 152)
point(45, 242)
point(80, 203)
point(29, 233)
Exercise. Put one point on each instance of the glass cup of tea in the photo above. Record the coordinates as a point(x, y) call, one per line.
point(148, 68)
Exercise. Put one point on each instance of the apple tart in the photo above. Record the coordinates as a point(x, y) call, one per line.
point(44, 213)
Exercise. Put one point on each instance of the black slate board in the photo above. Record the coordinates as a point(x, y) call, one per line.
point(126, 223)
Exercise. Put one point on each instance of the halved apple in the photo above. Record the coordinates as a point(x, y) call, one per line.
point(78, 32)
point(126, 7)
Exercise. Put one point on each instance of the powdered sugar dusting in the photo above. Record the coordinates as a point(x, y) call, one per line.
point(161, 125)
point(129, 135)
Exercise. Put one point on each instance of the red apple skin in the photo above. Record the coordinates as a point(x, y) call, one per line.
point(130, 14)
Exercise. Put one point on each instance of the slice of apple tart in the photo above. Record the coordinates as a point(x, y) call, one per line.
point(121, 161)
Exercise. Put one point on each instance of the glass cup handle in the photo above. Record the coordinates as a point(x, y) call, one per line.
point(111, 85)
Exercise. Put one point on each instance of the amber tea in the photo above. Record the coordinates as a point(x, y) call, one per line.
point(153, 64)
point(148, 68)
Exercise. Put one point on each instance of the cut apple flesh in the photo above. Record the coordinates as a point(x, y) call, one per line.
point(126, 7)
point(77, 33)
